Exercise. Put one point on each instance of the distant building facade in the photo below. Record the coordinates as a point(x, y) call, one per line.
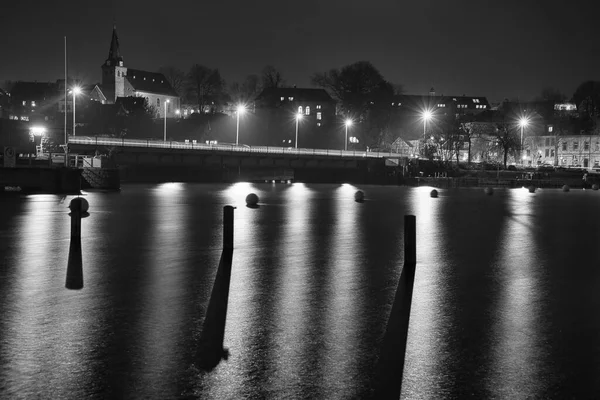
point(581, 151)
point(121, 81)
point(276, 110)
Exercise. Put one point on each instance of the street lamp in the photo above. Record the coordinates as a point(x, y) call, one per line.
point(523, 122)
point(76, 90)
point(298, 118)
point(348, 123)
point(240, 110)
point(426, 117)
point(166, 102)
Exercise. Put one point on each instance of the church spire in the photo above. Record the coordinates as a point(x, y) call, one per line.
point(114, 54)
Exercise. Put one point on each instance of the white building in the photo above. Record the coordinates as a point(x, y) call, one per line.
point(121, 81)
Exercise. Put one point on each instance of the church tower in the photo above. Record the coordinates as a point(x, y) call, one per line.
point(113, 71)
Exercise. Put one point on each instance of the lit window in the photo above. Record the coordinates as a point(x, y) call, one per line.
point(550, 128)
point(25, 118)
point(144, 78)
point(318, 124)
point(290, 98)
point(282, 98)
point(319, 106)
point(300, 110)
point(475, 100)
point(307, 110)
point(318, 115)
point(33, 104)
point(24, 103)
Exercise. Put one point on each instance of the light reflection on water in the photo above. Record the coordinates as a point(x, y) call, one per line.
point(504, 293)
point(515, 359)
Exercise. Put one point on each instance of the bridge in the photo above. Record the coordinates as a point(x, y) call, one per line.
point(151, 160)
point(216, 148)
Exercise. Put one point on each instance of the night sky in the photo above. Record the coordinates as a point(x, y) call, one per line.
point(496, 49)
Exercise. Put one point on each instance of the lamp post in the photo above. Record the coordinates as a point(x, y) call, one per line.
point(166, 102)
point(348, 123)
point(76, 90)
point(298, 118)
point(426, 117)
point(240, 110)
point(523, 122)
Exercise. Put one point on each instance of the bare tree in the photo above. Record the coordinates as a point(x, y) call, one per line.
point(271, 77)
point(246, 91)
point(204, 85)
point(175, 77)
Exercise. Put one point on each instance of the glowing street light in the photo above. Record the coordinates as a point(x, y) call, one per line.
point(298, 118)
point(347, 123)
point(240, 110)
point(166, 102)
point(427, 114)
point(76, 90)
point(523, 122)
point(38, 130)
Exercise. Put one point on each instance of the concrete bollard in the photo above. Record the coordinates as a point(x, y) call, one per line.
point(74, 281)
point(359, 196)
point(228, 227)
point(252, 200)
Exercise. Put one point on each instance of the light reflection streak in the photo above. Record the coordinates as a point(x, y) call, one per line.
point(515, 364)
point(293, 284)
point(44, 331)
point(427, 329)
point(344, 288)
point(231, 379)
point(162, 290)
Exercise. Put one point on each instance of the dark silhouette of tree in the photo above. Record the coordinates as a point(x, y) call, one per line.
point(363, 95)
point(552, 94)
point(506, 141)
point(176, 79)
point(271, 78)
point(246, 91)
point(205, 85)
point(587, 99)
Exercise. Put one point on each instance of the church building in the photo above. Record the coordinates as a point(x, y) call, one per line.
point(121, 81)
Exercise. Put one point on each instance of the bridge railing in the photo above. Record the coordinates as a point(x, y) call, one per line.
point(159, 144)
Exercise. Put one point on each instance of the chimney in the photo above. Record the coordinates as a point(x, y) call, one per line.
point(432, 92)
point(294, 86)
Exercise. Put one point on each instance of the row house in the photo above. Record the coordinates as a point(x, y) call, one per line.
point(581, 151)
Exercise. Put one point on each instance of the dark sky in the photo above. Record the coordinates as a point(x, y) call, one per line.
point(498, 49)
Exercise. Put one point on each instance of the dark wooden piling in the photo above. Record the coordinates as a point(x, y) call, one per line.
point(390, 366)
point(75, 264)
point(228, 227)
